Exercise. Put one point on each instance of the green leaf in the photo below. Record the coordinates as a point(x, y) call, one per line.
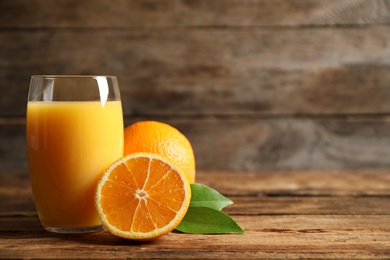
point(202, 220)
point(203, 196)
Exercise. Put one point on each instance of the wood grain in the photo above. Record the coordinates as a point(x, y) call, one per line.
point(255, 84)
point(253, 145)
point(355, 193)
point(342, 225)
point(321, 183)
point(286, 103)
point(270, 237)
point(255, 71)
point(188, 13)
point(300, 184)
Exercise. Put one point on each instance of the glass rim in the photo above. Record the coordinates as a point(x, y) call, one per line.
point(70, 76)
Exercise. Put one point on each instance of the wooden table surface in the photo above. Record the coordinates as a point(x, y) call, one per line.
point(285, 215)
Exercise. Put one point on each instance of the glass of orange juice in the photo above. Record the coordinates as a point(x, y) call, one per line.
point(74, 131)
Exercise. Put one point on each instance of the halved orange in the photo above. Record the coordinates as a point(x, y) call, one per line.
point(142, 197)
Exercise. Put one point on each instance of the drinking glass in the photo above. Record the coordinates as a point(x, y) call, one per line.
point(74, 131)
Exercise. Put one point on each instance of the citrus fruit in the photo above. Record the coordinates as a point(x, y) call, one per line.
point(142, 196)
point(163, 139)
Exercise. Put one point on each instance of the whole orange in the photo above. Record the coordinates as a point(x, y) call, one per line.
point(164, 140)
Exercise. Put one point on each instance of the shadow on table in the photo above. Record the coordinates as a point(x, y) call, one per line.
point(28, 226)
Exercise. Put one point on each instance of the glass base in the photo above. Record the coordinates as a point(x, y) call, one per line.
point(73, 230)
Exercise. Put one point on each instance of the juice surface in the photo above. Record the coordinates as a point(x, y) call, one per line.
point(69, 145)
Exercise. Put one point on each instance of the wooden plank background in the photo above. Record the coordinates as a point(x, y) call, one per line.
point(254, 84)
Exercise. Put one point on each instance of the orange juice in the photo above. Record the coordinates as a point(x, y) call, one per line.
point(69, 145)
